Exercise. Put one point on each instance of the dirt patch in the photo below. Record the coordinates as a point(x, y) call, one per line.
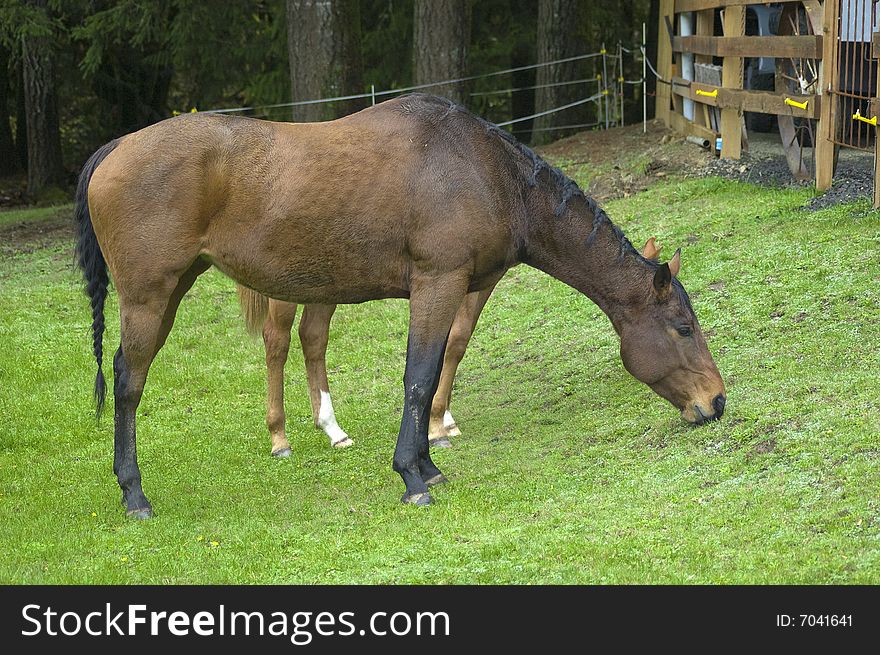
point(764, 170)
point(628, 159)
point(767, 446)
point(853, 180)
point(28, 236)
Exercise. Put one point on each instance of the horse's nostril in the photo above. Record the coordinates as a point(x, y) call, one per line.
point(718, 405)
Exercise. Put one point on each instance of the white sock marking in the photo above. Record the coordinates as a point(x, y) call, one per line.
point(327, 420)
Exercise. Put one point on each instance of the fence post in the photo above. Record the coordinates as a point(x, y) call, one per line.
point(876, 172)
point(664, 61)
point(828, 113)
point(645, 80)
point(620, 82)
point(732, 78)
point(605, 84)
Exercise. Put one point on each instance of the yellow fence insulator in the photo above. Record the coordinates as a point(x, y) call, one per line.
point(870, 121)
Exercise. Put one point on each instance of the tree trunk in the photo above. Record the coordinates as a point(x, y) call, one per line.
point(324, 50)
point(631, 34)
point(44, 140)
point(522, 103)
point(348, 62)
point(20, 119)
point(441, 36)
point(557, 39)
point(9, 160)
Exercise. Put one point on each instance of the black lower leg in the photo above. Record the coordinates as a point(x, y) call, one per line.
point(126, 398)
point(412, 459)
point(428, 471)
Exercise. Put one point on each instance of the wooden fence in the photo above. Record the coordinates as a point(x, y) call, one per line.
point(816, 115)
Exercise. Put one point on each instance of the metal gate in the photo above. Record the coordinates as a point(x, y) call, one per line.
point(856, 72)
point(850, 79)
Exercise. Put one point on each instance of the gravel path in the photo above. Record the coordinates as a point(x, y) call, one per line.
point(853, 179)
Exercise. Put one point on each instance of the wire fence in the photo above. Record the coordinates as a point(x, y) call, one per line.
point(605, 90)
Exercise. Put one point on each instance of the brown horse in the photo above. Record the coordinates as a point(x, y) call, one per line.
point(415, 197)
point(274, 320)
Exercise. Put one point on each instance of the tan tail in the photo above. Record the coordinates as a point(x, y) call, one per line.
point(254, 307)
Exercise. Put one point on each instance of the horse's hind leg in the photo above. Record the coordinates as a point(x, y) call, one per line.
point(433, 303)
point(314, 332)
point(442, 424)
point(276, 338)
point(145, 321)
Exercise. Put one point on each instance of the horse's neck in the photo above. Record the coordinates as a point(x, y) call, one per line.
point(596, 264)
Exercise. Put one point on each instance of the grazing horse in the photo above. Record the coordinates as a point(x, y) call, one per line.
point(274, 319)
point(414, 198)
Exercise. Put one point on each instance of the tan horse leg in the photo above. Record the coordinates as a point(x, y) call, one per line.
point(276, 338)
point(314, 333)
point(144, 327)
point(442, 424)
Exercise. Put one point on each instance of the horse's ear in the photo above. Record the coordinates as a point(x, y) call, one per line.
point(651, 249)
point(662, 279)
point(675, 263)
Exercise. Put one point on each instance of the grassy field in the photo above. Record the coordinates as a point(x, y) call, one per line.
point(569, 470)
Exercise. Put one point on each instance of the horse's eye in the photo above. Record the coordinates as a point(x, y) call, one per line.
point(685, 331)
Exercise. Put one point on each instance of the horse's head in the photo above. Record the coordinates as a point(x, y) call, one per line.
point(661, 344)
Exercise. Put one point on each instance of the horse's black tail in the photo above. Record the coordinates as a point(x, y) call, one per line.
point(94, 268)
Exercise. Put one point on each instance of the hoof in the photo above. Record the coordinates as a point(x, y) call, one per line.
point(343, 443)
point(284, 452)
point(442, 442)
point(453, 431)
point(420, 499)
point(437, 479)
point(140, 514)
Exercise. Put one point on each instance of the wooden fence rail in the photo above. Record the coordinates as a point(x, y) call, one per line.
point(750, 46)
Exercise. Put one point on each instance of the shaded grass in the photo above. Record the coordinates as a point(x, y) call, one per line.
point(8, 217)
point(569, 470)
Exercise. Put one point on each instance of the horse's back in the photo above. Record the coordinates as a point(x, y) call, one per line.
point(317, 212)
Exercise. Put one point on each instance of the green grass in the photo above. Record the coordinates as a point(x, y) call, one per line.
point(33, 214)
point(569, 471)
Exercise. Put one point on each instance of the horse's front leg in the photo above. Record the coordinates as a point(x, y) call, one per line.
point(433, 303)
point(442, 425)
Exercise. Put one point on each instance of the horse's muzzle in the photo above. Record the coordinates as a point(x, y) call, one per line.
point(703, 416)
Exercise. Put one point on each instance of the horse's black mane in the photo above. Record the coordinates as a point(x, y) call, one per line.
point(568, 188)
